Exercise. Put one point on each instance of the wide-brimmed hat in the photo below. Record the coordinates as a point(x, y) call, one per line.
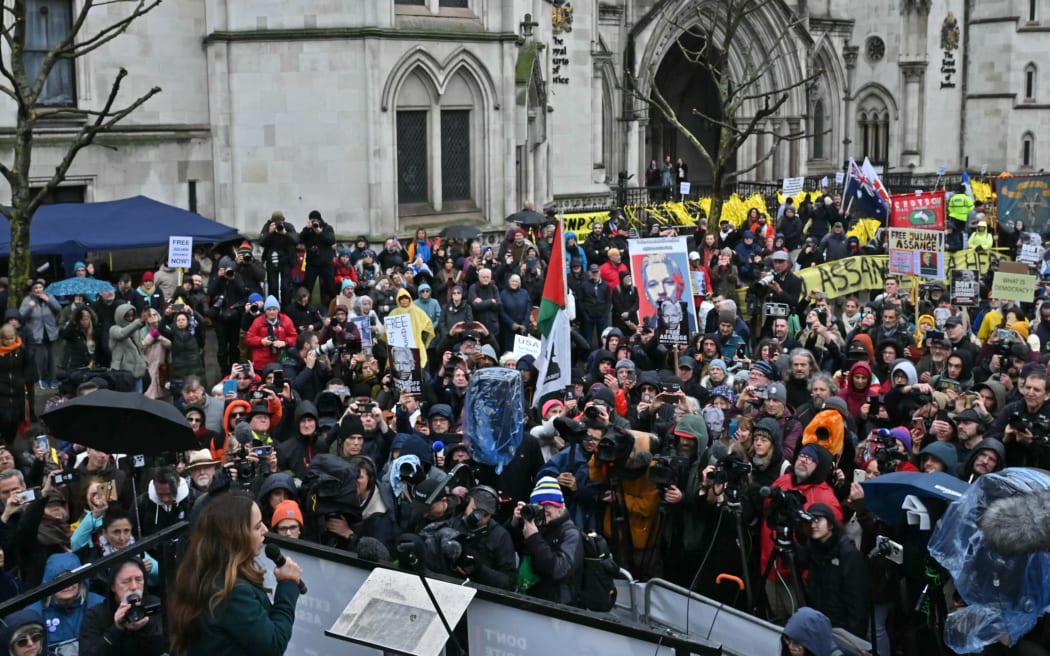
point(200, 458)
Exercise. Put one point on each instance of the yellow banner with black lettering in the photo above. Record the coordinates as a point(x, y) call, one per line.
point(853, 275)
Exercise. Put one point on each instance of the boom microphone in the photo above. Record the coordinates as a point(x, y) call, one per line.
point(1018, 524)
point(273, 552)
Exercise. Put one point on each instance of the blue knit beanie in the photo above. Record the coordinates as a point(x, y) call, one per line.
point(271, 302)
point(547, 491)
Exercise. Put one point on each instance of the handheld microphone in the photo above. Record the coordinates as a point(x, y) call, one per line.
point(273, 552)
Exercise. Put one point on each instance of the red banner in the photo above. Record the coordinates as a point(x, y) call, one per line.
point(922, 211)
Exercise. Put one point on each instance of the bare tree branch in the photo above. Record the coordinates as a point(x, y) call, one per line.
point(105, 119)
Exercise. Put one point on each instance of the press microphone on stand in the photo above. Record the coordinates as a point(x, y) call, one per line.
point(273, 552)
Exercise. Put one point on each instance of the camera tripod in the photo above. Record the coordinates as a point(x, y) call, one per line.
point(784, 552)
point(732, 494)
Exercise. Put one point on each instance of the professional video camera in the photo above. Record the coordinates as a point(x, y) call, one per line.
point(731, 471)
point(245, 468)
point(786, 509)
point(615, 447)
point(666, 471)
point(889, 459)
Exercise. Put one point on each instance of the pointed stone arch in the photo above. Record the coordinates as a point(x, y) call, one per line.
point(440, 74)
point(827, 92)
point(452, 151)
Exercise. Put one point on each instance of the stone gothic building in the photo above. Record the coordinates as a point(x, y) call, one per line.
point(387, 114)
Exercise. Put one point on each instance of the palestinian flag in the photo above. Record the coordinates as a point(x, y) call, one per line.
point(554, 363)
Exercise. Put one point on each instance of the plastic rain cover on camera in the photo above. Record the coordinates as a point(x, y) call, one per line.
point(396, 484)
point(495, 416)
point(1005, 595)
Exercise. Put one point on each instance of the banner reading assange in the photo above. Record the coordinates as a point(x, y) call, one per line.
point(660, 268)
point(853, 275)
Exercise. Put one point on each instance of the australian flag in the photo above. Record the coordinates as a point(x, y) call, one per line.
point(865, 194)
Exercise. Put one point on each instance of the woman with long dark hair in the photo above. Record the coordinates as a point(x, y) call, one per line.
point(220, 605)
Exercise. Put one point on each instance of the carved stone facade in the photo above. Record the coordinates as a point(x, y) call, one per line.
point(392, 113)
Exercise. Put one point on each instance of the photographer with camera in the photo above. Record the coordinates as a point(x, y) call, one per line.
point(278, 239)
point(228, 295)
point(249, 270)
point(571, 468)
point(762, 398)
point(551, 544)
point(633, 521)
point(652, 405)
point(305, 368)
point(127, 622)
point(488, 549)
point(319, 237)
point(837, 580)
point(784, 513)
point(1024, 426)
point(270, 334)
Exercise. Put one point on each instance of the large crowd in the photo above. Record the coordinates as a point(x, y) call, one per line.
point(740, 453)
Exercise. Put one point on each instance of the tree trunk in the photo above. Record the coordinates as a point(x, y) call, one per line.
point(20, 267)
point(717, 199)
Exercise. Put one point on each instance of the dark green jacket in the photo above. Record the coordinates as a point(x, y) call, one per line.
point(248, 624)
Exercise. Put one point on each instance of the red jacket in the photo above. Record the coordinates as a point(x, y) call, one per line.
point(611, 273)
point(814, 493)
point(284, 331)
point(344, 272)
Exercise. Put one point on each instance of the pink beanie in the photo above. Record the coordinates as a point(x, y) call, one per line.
point(548, 405)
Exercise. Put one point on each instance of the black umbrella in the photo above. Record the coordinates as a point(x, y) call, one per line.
point(121, 422)
point(461, 232)
point(528, 219)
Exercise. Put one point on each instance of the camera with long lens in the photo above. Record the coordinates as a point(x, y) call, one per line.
point(136, 612)
point(786, 509)
point(410, 472)
point(1038, 426)
point(731, 471)
point(328, 348)
point(533, 512)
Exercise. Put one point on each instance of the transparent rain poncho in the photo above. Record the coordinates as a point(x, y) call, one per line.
point(1006, 595)
point(494, 416)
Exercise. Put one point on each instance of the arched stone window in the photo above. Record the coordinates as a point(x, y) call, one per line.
point(873, 128)
point(437, 143)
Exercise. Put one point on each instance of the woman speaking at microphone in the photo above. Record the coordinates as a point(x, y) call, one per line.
point(220, 606)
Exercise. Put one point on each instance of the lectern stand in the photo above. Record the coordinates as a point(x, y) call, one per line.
point(392, 611)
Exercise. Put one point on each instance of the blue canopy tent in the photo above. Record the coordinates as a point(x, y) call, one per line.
point(72, 229)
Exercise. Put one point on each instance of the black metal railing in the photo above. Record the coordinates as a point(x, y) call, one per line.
point(162, 543)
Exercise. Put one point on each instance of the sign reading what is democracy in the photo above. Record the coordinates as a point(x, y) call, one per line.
point(1018, 287)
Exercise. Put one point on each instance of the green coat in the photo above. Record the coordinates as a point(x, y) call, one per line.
point(248, 624)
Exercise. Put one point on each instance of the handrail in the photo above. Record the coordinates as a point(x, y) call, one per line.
point(88, 570)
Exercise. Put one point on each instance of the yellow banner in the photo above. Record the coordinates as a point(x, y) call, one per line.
point(853, 275)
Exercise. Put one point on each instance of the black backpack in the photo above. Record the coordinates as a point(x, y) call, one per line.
point(597, 585)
